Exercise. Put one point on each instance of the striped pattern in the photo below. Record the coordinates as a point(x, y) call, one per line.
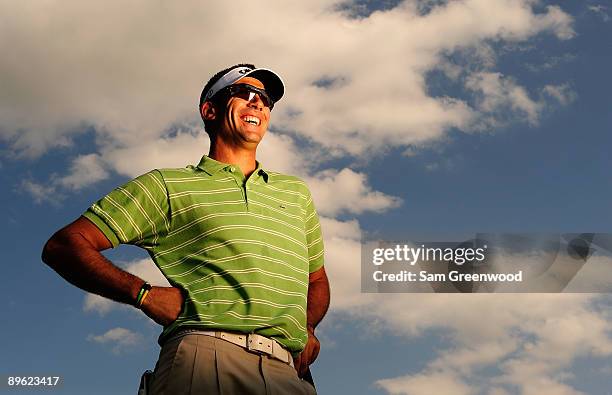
point(241, 249)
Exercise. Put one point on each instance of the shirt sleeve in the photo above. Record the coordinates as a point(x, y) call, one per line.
point(136, 213)
point(314, 237)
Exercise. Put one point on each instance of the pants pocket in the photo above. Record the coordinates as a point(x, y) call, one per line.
point(170, 376)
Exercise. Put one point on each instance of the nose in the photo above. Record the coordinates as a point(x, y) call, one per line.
point(255, 101)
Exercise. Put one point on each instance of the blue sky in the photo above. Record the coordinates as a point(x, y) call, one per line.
point(478, 116)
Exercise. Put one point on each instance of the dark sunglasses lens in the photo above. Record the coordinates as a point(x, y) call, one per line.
point(247, 93)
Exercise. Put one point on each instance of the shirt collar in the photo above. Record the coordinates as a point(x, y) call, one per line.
point(212, 166)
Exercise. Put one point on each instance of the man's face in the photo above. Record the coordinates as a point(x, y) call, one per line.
point(244, 122)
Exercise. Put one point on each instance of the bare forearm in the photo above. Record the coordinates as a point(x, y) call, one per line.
point(76, 260)
point(318, 302)
point(318, 298)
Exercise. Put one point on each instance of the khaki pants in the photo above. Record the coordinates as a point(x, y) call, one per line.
point(199, 364)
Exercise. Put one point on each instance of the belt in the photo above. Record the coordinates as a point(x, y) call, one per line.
point(252, 342)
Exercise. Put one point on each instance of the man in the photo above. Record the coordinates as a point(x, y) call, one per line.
point(240, 245)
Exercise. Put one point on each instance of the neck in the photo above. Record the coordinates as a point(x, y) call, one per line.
point(242, 157)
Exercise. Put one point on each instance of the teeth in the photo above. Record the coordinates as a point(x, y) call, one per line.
point(251, 120)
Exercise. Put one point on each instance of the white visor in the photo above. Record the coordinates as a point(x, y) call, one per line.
point(273, 84)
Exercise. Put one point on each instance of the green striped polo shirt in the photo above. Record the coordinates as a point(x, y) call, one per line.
point(241, 249)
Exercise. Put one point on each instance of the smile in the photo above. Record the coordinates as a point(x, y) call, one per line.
point(252, 120)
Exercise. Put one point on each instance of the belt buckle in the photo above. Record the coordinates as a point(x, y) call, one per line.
point(259, 344)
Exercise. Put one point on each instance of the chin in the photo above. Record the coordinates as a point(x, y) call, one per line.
point(258, 136)
point(256, 140)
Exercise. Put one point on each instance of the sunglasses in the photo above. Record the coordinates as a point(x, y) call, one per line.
point(247, 92)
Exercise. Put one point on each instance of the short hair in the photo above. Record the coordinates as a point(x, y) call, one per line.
point(209, 125)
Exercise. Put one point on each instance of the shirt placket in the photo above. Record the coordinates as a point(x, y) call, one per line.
point(245, 185)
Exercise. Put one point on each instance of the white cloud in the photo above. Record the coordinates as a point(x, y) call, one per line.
point(550, 62)
point(342, 241)
point(98, 304)
point(532, 340)
point(41, 192)
point(600, 10)
point(146, 269)
point(562, 93)
point(534, 377)
point(121, 339)
point(85, 170)
point(426, 384)
point(131, 98)
point(349, 230)
point(557, 21)
point(345, 191)
point(134, 81)
point(279, 153)
point(473, 356)
point(501, 342)
point(500, 93)
point(185, 147)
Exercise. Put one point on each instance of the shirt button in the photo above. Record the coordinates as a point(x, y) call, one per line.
point(232, 169)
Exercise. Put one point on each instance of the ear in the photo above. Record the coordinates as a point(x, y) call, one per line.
point(208, 111)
